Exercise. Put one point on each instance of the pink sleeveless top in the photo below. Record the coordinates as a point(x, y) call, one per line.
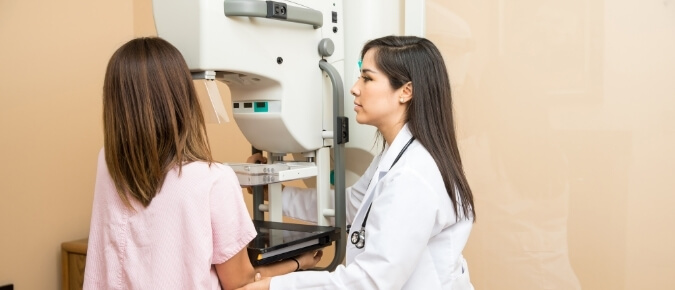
point(198, 219)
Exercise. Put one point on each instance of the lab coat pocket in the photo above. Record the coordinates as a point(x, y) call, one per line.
point(463, 282)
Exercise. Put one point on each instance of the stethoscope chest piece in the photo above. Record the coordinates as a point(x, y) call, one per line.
point(359, 238)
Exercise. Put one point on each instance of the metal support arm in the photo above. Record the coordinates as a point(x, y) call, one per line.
point(339, 161)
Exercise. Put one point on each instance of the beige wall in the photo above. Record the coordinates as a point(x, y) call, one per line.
point(566, 117)
point(567, 123)
point(52, 60)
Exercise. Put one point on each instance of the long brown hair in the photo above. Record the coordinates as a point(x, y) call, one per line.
point(152, 119)
point(430, 118)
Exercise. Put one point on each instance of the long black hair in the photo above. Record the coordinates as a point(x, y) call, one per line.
point(430, 118)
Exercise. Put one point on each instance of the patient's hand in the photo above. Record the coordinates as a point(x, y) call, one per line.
point(307, 261)
point(310, 259)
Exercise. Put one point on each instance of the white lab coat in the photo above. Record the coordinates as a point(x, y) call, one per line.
point(412, 238)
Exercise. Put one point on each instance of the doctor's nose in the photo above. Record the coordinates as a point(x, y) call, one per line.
point(354, 91)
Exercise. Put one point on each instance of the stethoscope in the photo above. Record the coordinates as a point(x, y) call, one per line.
point(359, 238)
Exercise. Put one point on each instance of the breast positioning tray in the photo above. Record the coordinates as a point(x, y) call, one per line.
point(278, 241)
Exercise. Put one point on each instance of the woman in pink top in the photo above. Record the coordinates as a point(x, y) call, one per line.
point(165, 215)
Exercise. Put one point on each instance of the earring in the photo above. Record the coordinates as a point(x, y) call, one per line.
point(401, 100)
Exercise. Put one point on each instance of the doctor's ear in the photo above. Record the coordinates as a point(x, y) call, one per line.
point(406, 92)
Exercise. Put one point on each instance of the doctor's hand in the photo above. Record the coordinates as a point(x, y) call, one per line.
point(259, 284)
point(257, 158)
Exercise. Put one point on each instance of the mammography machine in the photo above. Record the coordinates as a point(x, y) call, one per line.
point(284, 63)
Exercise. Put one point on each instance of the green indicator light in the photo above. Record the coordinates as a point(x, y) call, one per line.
point(260, 107)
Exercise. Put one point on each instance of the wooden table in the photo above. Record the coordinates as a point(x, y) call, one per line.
point(73, 258)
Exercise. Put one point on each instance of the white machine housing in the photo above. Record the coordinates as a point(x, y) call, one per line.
point(270, 66)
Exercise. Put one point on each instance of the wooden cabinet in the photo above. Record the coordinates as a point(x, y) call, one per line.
point(73, 258)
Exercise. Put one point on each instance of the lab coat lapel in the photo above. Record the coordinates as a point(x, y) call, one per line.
point(388, 157)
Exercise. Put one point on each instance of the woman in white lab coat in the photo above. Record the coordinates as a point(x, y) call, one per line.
point(412, 211)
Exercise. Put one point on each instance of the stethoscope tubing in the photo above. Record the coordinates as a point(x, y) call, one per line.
point(358, 239)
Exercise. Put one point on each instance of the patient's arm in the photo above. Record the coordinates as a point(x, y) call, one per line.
point(238, 271)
